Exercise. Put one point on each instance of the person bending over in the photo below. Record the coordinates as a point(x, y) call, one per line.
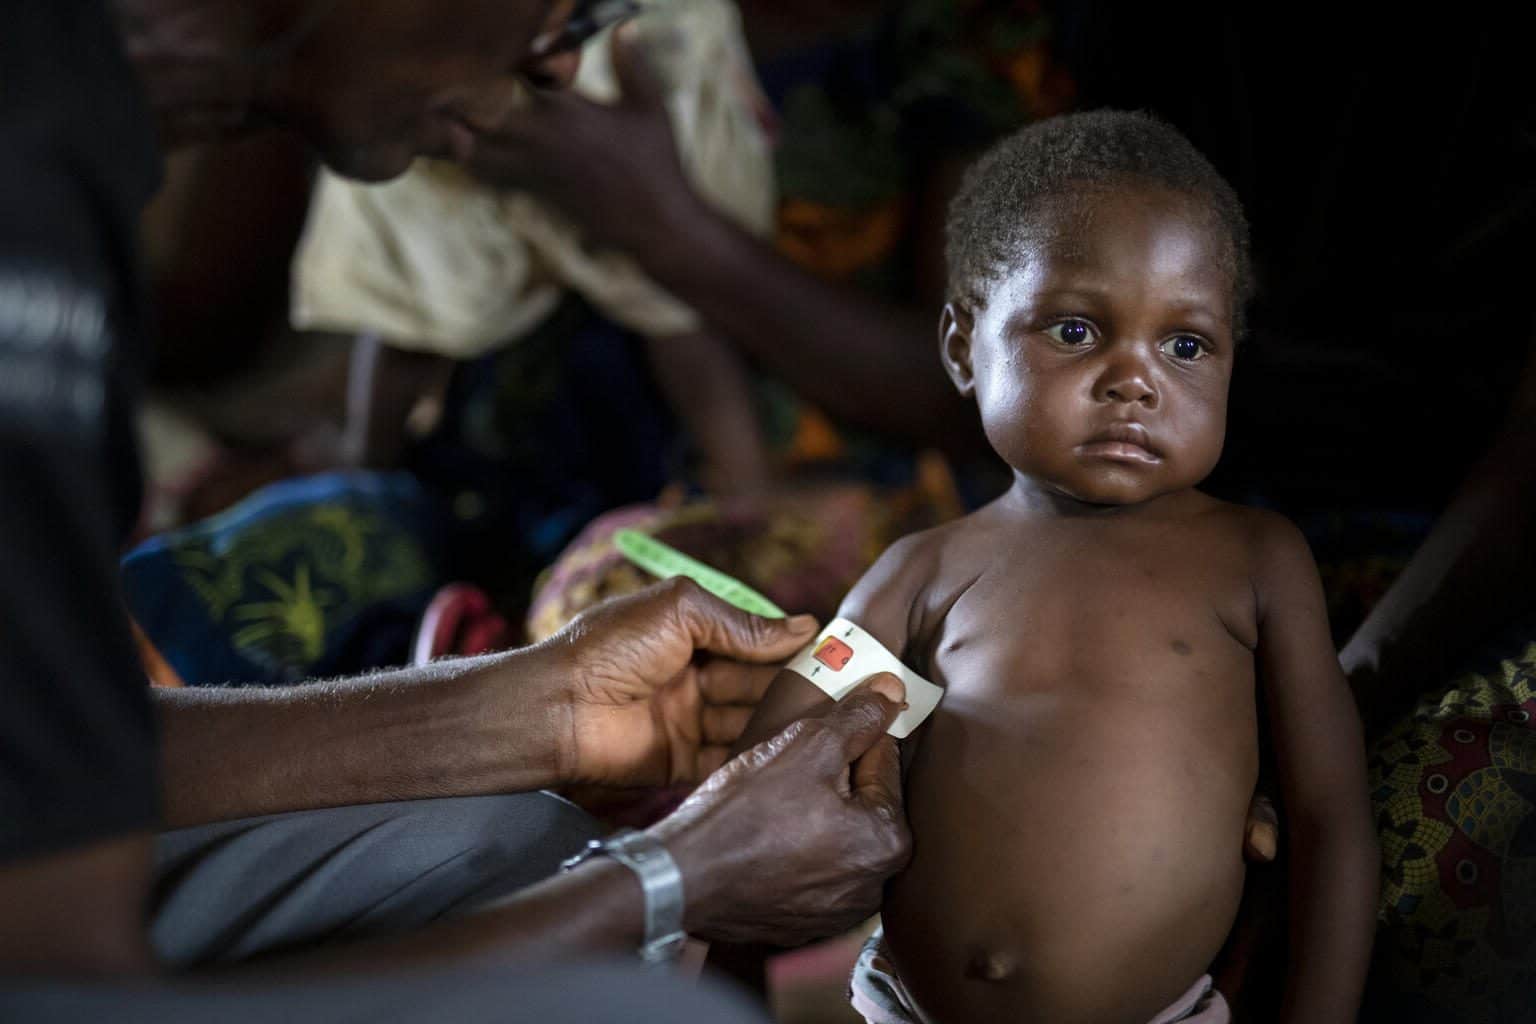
point(1104, 631)
point(418, 761)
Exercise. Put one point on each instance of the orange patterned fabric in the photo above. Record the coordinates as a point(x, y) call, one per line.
point(803, 549)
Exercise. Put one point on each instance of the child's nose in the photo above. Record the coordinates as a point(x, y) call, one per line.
point(1127, 381)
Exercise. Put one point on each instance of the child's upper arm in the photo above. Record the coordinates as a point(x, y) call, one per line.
point(881, 602)
point(1314, 725)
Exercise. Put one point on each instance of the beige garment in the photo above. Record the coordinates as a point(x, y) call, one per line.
point(879, 996)
point(435, 261)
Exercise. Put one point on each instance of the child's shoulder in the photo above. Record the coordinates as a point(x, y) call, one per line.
point(886, 601)
point(1267, 536)
point(908, 563)
point(921, 551)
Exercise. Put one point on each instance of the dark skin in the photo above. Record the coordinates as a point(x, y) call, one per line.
point(722, 418)
point(1105, 614)
point(647, 690)
point(613, 169)
point(368, 102)
point(750, 877)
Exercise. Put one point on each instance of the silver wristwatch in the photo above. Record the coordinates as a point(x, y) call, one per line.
point(660, 881)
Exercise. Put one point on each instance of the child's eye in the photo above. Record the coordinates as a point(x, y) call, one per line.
point(1070, 332)
point(1186, 347)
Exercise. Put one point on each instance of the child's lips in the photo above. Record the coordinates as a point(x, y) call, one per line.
point(1124, 442)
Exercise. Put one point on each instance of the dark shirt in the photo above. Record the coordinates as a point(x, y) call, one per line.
point(77, 163)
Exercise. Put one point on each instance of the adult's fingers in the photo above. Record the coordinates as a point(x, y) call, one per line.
point(858, 720)
point(508, 154)
point(877, 777)
point(514, 140)
point(1261, 835)
point(723, 723)
point(638, 85)
point(710, 759)
point(721, 628)
point(733, 682)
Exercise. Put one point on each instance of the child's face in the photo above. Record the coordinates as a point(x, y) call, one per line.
point(1100, 362)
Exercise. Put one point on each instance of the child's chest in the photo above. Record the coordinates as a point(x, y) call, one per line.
point(1138, 613)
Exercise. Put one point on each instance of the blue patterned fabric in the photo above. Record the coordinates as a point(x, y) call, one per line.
point(308, 577)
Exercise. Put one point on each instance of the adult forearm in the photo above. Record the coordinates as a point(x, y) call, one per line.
point(773, 847)
point(1464, 580)
point(722, 418)
point(863, 361)
point(597, 909)
point(613, 168)
point(468, 726)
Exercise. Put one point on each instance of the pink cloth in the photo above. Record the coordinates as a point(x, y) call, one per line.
point(879, 996)
point(1201, 1003)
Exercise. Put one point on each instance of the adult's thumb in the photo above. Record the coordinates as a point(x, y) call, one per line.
point(877, 777)
point(639, 84)
point(860, 719)
point(719, 627)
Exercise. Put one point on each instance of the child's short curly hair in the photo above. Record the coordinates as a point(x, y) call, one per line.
point(992, 216)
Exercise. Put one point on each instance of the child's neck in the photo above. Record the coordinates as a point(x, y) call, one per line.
point(1036, 499)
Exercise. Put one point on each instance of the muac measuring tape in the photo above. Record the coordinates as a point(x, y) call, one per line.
point(665, 561)
point(841, 657)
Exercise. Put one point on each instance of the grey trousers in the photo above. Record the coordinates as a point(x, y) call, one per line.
point(594, 993)
point(237, 890)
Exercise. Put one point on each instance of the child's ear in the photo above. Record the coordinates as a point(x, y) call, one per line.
point(955, 326)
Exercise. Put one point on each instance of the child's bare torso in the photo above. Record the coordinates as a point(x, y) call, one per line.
point(1078, 802)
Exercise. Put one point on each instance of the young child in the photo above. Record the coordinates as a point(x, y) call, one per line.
point(1104, 632)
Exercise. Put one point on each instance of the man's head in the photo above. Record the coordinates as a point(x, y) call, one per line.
point(371, 84)
point(1098, 266)
point(375, 83)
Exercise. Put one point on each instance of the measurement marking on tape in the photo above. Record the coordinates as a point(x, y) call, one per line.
point(665, 561)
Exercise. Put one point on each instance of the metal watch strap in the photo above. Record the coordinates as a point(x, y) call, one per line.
point(661, 883)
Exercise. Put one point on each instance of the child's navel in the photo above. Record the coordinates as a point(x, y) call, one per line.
point(991, 965)
point(1182, 648)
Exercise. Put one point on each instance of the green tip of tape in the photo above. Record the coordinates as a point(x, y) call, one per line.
point(665, 561)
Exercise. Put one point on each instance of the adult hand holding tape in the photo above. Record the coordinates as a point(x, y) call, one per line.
point(844, 655)
point(815, 809)
point(841, 657)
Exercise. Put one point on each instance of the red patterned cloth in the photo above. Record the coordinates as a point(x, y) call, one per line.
point(1454, 792)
